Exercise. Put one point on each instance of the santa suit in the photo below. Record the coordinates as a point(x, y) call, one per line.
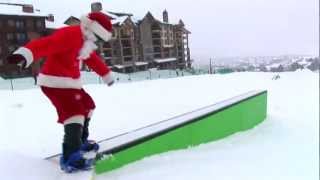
point(65, 51)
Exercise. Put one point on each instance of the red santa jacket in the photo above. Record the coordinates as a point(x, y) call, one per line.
point(61, 68)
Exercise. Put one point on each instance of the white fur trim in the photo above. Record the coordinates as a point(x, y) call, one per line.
point(89, 38)
point(95, 27)
point(108, 78)
point(77, 119)
point(87, 48)
point(100, 31)
point(87, 33)
point(59, 82)
point(26, 53)
point(85, 21)
point(90, 113)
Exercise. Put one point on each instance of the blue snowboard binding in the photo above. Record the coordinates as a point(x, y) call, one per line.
point(76, 162)
point(78, 153)
point(89, 145)
point(82, 159)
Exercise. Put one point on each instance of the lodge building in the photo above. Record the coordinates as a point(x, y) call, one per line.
point(136, 44)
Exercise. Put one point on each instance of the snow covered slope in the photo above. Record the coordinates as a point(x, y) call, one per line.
point(284, 147)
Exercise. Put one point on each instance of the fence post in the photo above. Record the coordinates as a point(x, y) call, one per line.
point(149, 74)
point(11, 84)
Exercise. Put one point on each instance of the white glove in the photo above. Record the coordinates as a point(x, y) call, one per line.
point(108, 79)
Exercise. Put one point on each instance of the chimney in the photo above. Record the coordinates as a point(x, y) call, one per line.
point(96, 7)
point(50, 18)
point(27, 8)
point(165, 16)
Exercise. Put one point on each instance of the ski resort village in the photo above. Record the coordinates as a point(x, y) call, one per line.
point(162, 90)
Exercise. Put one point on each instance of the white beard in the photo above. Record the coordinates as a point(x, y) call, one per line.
point(88, 46)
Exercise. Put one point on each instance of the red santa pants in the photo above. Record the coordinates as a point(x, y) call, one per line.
point(70, 102)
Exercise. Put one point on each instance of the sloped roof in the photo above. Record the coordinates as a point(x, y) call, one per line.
point(17, 11)
point(150, 16)
point(70, 18)
point(119, 14)
point(111, 15)
point(54, 25)
point(119, 20)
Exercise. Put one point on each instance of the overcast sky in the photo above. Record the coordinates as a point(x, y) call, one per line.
point(222, 27)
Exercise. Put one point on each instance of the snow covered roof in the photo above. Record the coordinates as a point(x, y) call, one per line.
point(17, 11)
point(140, 63)
point(119, 20)
point(54, 25)
point(112, 16)
point(119, 14)
point(135, 19)
point(165, 60)
point(121, 66)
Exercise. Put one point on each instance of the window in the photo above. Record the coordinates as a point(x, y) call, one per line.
point(21, 37)
point(39, 24)
point(127, 59)
point(156, 35)
point(11, 23)
point(114, 33)
point(157, 56)
point(29, 24)
point(19, 24)
point(116, 52)
point(156, 42)
point(125, 32)
point(157, 49)
point(127, 52)
point(126, 43)
point(106, 45)
point(10, 36)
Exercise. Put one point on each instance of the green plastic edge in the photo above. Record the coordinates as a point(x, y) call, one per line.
point(239, 117)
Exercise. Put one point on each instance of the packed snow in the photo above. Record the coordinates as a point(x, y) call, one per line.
point(285, 146)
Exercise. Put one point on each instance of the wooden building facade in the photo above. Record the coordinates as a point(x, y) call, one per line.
point(19, 24)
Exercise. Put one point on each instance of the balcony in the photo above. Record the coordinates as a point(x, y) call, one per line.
point(157, 56)
point(156, 36)
point(156, 42)
point(157, 49)
point(107, 45)
point(126, 43)
point(127, 52)
point(156, 30)
point(128, 59)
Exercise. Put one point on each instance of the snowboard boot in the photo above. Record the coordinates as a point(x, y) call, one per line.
point(73, 158)
point(88, 145)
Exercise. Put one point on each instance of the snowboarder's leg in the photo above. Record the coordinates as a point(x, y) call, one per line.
point(72, 113)
point(88, 145)
point(88, 103)
point(73, 155)
point(85, 133)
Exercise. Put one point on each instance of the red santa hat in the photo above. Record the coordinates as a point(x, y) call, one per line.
point(99, 24)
